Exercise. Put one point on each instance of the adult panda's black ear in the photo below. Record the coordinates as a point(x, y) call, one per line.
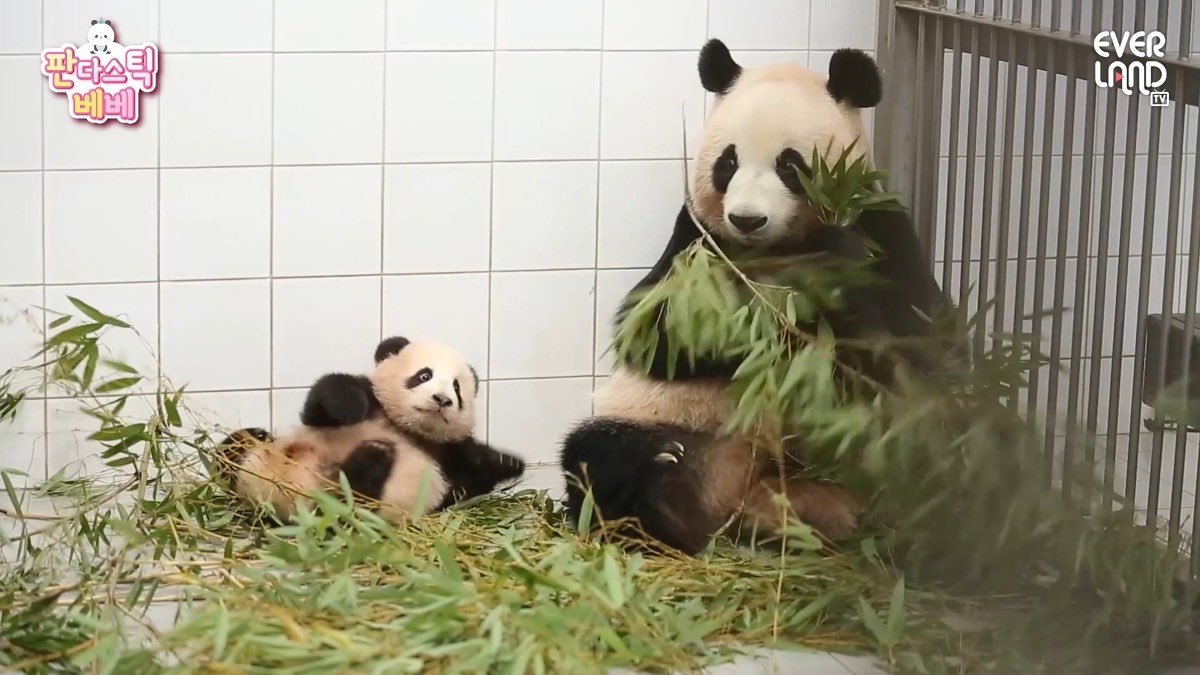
point(718, 70)
point(390, 347)
point(854, 79)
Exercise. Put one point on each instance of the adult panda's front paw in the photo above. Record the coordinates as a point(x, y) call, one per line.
point(672, 453)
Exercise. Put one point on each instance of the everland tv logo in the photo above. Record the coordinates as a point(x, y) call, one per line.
point(1134, 64)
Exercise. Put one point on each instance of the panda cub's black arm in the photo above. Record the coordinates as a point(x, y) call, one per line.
point(339, 399)
point(684, 235)
point(473, 469)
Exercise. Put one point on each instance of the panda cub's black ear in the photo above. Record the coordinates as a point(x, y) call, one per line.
point(390, 347)
point(854, 79)
point(718, 70)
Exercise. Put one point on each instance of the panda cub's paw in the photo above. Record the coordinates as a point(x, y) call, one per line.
point(229, 453)
point(673, 452)
point(337, 399)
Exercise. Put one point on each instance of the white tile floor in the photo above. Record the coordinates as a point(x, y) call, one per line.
point(774, 662)
point(1187, 459)
point(546, 477)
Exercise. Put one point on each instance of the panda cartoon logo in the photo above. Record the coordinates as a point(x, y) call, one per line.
point(101, 38)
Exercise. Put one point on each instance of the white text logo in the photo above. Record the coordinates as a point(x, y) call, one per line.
point(1135, 65)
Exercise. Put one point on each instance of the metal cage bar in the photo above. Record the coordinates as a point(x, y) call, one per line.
point(1071, 208)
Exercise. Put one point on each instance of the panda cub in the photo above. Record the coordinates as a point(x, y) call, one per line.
point(655, 453)
point(402, 436)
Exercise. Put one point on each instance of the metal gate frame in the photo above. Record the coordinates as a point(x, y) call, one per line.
point(916, 38)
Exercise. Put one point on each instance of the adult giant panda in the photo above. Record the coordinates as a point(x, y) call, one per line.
point(653, 452)
point(402, 436)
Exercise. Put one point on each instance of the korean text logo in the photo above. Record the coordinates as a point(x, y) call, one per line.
point(1134, 63)
point(102, 79)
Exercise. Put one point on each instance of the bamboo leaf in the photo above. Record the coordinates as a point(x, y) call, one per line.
point(89, 369)
point(896, 614)
point(13, 499)
point(872, 621)
point(120, 367)
point(96, 315)
point(172, 408)
point(72, 335)
point(117, 384)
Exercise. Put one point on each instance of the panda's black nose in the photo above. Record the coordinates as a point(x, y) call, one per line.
point(443, 401)
point(747, 223)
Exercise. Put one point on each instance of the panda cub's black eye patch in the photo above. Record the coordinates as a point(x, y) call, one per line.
point(420, 377)
point(724, 168)
point(787, 166)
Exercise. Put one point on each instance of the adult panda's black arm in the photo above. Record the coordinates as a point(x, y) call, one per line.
point(473, 468)
point(339, 399)
point(684, 235)
point(907, 273)
point(903, 300)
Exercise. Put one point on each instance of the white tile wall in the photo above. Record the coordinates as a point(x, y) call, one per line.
point(192, 135)
point(327, 220)
point(201, 210)
point(492, 173)
point(20, 324)
point(100, 225)
point(21, 256)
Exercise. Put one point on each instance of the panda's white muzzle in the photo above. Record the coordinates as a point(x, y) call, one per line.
point(758, 206)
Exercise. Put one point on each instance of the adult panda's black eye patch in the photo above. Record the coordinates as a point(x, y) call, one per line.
point(420, 377)
point(724, 168)
point(788, 166)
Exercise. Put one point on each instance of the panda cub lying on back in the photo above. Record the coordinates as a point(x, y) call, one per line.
point(401, 435)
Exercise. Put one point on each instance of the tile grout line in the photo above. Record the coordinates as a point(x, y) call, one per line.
point(537, 50)
point(158, 288)
point(487, 427)
point(271, 240)
point(808, 50)
point(435, 162)
point(596, 220)
point(45, 295)
point(193, 280)
point(301, 387)
point(383, 171)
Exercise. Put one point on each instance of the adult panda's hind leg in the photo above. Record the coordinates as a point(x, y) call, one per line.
point(642, 475)
point(830, 509)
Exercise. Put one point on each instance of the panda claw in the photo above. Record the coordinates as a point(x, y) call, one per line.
point(673, 452)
